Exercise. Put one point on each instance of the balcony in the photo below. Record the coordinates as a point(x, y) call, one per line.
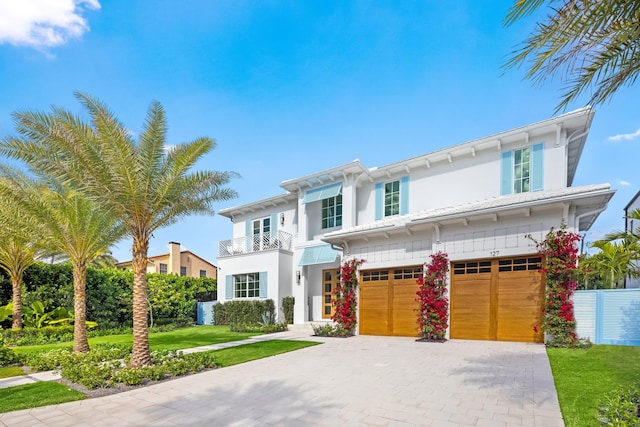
point(256, 243)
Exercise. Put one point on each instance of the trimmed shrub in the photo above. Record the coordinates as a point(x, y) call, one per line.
point(287, 309)
point(7, 356)
point(239, 314)
point(330, 330)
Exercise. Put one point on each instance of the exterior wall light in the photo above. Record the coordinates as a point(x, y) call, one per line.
point(298, 277)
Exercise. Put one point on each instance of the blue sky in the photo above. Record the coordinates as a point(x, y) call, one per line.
point(288, 88)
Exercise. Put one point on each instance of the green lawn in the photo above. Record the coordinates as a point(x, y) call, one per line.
point(247, 352)
point(35, 395)
point(11, 371)
point(195, 336)
point(584, 377)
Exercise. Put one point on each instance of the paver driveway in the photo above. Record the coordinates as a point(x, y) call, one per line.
point(364, 380)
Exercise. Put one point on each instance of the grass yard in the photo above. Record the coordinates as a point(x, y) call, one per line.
point(11, 371)
point(194, 336)
point(247, 352)
point(35, 395)
point(584, 377)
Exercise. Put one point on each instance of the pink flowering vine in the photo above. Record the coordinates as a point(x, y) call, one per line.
point(559, 250)
point(345, 300)
point(433, 313)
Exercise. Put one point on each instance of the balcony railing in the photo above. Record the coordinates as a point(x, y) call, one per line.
point(256, 243)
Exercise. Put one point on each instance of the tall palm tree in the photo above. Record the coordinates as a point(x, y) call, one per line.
point(16, 255)
point(592, 43)
point(146, 184)
point(66, 222)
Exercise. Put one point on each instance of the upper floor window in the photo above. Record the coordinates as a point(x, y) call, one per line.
point(392, 198)
point(522, 170)
point(332, 212)
point(203, 273)
point(163, 268)
point(183, 271)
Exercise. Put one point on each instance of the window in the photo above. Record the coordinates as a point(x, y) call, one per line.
point(163, 268)
point(392, 198)
point(203, 273)
point(521, 170)
point(246, 285)
point(332, 212)
point(183, 271)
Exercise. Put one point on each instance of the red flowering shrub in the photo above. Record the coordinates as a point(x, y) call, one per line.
point(433, 314)
point(559, 250)
point(345, 300)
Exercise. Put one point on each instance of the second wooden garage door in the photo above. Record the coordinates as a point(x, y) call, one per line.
point(499, 299)
point(387, 301)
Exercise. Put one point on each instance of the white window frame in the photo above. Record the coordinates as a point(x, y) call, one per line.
point(246, 286)
point(388, 198)
point(522, 170)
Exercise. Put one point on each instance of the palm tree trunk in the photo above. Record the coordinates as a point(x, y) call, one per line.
point(140, 354)
point(80, 341)
point(16, 284)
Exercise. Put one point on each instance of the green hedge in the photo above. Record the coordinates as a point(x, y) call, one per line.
point(243, 313)
point(287, 309)
point(109, 293)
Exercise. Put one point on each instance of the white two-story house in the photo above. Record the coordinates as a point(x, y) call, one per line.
point(475, 201)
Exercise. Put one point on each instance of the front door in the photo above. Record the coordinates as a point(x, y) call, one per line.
point(329, 283)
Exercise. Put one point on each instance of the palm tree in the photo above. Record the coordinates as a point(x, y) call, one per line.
point(144, 183)
point(66, 222)
point(16, 255)
point(614, 262)
point(594, 43)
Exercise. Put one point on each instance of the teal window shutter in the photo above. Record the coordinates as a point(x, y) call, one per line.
point(248, 232)
point(228, 287)
point(404, 195)
point(537, 167)
point(379, 200)
point(263, 284)
point(274, 226)
point(506, 176)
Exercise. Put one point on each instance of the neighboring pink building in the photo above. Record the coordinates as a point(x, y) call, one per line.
point(182, 263)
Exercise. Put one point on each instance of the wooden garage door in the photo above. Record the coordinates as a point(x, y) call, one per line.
point(498, 299)
point(387, 301)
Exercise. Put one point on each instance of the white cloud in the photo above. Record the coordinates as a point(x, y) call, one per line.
point(43, 23)
point(625, 183)
point(625, 136)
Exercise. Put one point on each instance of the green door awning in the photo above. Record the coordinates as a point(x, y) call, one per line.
point(318, 255)
point(322, 193)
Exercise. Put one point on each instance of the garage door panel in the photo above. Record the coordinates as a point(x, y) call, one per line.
point(520, 300)
point(470, 306)
point(405, 310)
point(374, 309)
point(505, 304)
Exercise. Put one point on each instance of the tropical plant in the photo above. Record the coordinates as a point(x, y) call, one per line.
point(6, 312)
point(613, 263)
point(433, 313)
point(594, 43)
point(67, 222)
point(16, 254)
point(146, 183)
point(345, 299)
point(559, 249)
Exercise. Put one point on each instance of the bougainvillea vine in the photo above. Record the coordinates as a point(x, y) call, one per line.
point(559, 250)
point(345, 299)
point(433, 313)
